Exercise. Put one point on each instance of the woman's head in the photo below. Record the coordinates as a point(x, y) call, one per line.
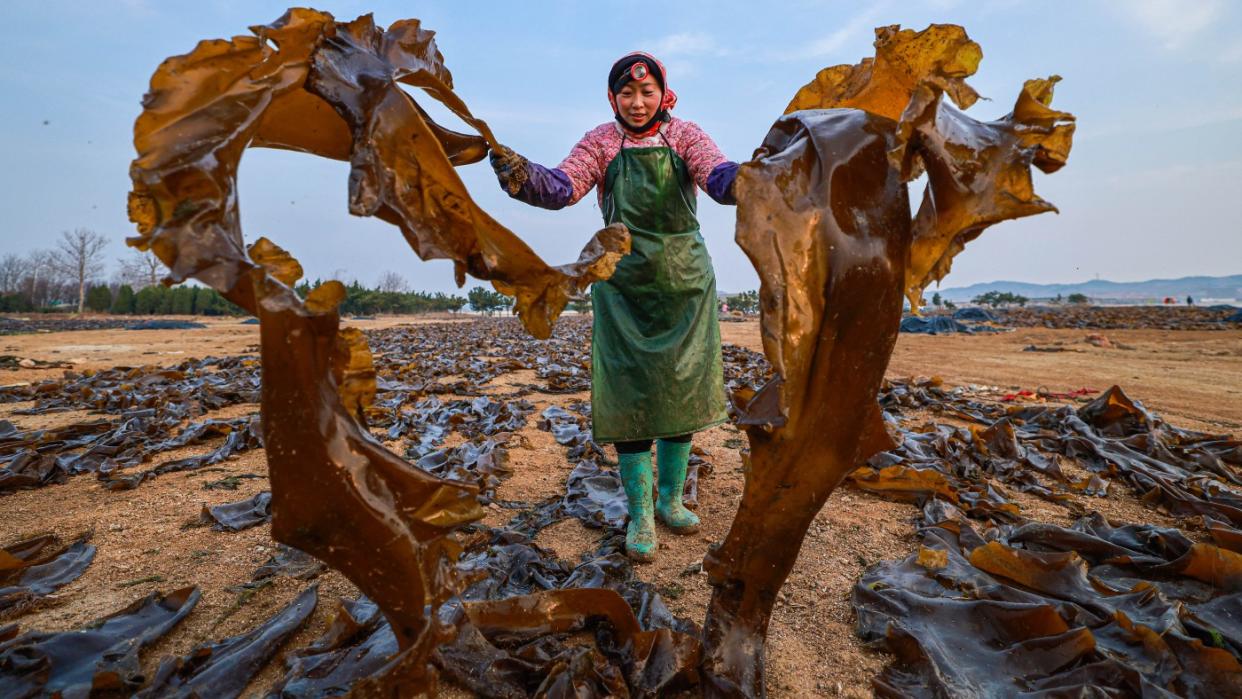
point(639, 93)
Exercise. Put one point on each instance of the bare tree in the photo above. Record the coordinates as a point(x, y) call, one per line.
point(79, 256)
point(11, 270)
point(42, 279)
point(391, 281)
point(140, 270)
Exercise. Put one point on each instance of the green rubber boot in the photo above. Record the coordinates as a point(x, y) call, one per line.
point(674, 458)
point(640, 534)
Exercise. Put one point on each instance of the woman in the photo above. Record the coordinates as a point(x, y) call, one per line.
point(655, 349)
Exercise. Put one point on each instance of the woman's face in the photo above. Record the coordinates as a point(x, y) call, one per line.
point(639, 100)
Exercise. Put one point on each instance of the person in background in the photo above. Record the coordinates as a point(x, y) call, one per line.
point(656, 369)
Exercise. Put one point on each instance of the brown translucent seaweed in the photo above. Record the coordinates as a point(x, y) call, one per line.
point(309, 83)
point(823, 214)
point(1032, 608)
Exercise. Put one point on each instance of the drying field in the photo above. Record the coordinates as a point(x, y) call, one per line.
point(473, 400)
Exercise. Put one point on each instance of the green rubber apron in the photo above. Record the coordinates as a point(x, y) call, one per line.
point(656, 369)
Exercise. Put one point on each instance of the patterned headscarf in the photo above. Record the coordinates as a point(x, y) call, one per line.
point(636, 66)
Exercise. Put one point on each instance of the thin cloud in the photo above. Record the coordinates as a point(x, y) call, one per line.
point(860, 24)
point(1172, 22)
point(686, 44)
point(1187, 119)
point(1179, 173)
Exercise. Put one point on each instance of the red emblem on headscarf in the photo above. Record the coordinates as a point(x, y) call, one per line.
point(638, 71)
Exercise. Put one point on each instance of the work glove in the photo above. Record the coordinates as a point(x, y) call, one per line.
point(510, 168)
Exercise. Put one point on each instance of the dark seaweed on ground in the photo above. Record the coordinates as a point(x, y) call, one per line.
point(36, 567)
point(1134, 607)
point(243, 514)
point(102, 657)
point(166, 324)
point(225, 667)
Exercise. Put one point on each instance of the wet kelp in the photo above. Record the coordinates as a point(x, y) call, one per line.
point(1051, 612)
point(36, 567)
point(1040, 609)
point(98, 659)
point(824, 216)
point(224, 668)
point(102, 658)
point(309, 83)
point(1121, 317)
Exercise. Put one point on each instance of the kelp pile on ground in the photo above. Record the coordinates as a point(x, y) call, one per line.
point(35, 324)
point(20, 326)
point(1137, 609)
point(416, 419)
point(961, 470)
point(1118, 317)
point(144, 411)
point(102, 658)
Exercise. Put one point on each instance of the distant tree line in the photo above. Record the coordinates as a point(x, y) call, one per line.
point(939, 302)
point(746, 302)
point(486, 301)
point(68, 278)
point(389, 297)
point(1000, 298)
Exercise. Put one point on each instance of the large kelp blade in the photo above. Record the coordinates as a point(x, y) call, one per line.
point(224, 668)
point(336, 492)
point(979, 174)
point(941, 55)
point(102, 657)
point(37, 567)
point(824, 217)
point(826, 223)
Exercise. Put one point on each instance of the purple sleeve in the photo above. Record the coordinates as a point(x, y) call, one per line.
point(720, 183)
point(547, 188)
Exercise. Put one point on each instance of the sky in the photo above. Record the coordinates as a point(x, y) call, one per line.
point(1151, 189)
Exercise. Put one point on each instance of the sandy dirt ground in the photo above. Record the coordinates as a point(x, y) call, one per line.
point(148, 538)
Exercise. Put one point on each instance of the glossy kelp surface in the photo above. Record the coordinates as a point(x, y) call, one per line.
point(36, 567)
point(963, 454)
point(224, 668)
point(243, 514)
point(823, 214)
point(1045, 609)
point(342, 81)
point(100, 658)
point(144, 411)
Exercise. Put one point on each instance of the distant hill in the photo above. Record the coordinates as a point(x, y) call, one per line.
point(1224, 288)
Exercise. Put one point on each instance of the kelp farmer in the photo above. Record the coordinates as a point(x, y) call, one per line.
point(656, 371)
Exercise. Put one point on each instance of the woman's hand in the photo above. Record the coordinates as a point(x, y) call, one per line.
point(510, 168)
